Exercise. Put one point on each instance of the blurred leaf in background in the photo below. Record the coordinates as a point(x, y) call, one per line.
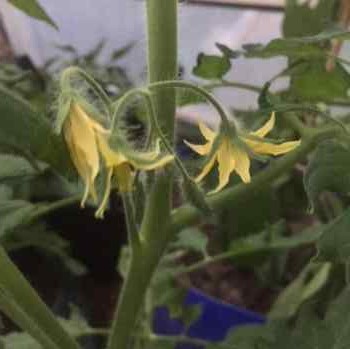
point(33, 9)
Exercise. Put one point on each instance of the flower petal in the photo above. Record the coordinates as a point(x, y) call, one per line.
point(206, 168)
point(78, 110)
point(201, 149)
point(111, 157)
point(266, 128)
point(125, 177)
point(83, 137)
point(273, 149)
point(101, 209)
point(242, 163)
point(148, 165)
point(227, 164)
point(207, 133)
point(82, 145)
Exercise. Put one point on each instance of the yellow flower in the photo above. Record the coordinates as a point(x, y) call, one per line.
point(88, 142)
point(121, 163)
point(231, 156)
point(80, 134)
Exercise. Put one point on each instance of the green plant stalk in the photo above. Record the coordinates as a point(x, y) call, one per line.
point(162, 65)
point(9, 307)
point(26, 299)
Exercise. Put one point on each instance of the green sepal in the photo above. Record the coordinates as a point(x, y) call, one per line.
point(138, 159)
point(64, 104)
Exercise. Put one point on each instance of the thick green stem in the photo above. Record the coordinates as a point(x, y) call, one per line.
point(129, 211)
point(162, 65)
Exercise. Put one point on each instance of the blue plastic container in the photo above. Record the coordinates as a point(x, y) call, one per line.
point(216, 320)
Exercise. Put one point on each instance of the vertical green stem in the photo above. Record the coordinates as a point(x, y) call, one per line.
point(162, 57)
point(162, 65)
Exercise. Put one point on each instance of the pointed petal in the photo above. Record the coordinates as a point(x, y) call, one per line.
point(111, 157)
point(82, 135)
point(273, 149)
point(206, 168)
point(227, 164)
point(242, 164)
point(86, 169)
point(201, 149)
point(102, 208)
point(152, 155)
point(125, 177)
point(207, 133)
point(78, 110)
point(266, 128)
point(148, 165)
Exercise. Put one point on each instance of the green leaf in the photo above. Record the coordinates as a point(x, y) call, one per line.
point(302, 20)
point(257, 246)
point(192, 239)
point(211, 66)
point(311, 81)
point(228, 52)
point(329, 169)
point(40, 237)
point(187, 97)
point(33, 9)
point(13, 213)
point(301, 289)
point(19, 340)
point(95, 52)
point(10, 307)
point(297, 47)
point(76, 325)
point(19, 293)
point(15, 168)
point(282, 47)
point(334, 243)
point(24, 131)
point(310, 332)
point(338, 320)
point(121, 52)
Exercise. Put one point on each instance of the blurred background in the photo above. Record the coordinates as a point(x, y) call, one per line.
point(85, 24)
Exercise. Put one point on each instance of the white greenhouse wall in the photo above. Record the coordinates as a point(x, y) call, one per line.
point(83, 23)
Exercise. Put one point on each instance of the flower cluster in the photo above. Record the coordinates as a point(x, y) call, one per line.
point(95, 150)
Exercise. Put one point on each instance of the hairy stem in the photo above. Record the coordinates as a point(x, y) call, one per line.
point(162, 65)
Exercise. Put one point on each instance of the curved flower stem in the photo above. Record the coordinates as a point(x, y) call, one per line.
point(199, 90)
point(234, 84)
point(123, 101)
point(187, 215)
point(71, 71)
point(154, 121)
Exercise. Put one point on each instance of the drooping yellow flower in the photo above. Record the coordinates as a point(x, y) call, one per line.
point(233, 157)
point(89, 147)
point(122, 163)
point(80, 134)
